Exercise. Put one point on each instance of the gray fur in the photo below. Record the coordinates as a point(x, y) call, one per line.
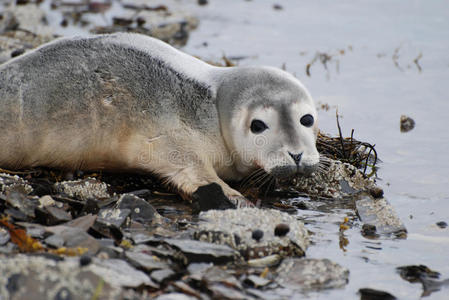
point(97, 102)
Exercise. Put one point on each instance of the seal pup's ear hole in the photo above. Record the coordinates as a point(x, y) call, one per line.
point(258, 126)
point(307, 120)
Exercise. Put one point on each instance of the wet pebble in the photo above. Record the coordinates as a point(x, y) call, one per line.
point(371, 294)
point(85, 260)
point(406, 123)
point(369, 230)
point(442, 224)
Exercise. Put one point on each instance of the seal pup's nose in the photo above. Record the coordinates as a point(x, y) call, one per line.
point(296, 157)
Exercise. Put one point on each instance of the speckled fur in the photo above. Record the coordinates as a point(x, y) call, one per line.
point(130, 102)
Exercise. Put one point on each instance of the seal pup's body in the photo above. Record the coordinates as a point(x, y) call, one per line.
point(130, 102)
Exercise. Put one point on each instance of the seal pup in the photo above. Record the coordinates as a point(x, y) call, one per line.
point(131, 102)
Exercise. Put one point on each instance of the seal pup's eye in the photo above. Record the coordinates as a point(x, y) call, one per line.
point(257, 126)
point(307, 120)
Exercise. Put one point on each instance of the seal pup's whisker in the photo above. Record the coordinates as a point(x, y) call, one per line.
point(246, 183)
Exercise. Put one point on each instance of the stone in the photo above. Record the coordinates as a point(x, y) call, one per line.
point(380, 213)
point(197, 251)
point(83, 189)
point(163, 275)
point(311, 274)
point(235, 227)
point(141, 210)
point(145, 261)
point(119, 273)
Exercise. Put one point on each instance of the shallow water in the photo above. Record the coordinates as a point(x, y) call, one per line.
point(372, 80)
point(371, 92)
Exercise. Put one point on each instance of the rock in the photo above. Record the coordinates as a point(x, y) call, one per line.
point(25, 204)
point(141, 210)
point(52, 215)
point(340, 180)
point(197, 251)
point(175, 296)
point(311, 274)
point(45, 278)
point(406, 123)
point(13, 183)
point(422, 274)
point(75, 237)
point(267, 261)
point(163, 275)
point(380, 214)
point(119, 273)
point(55, 241)
point(371, 294)
point(144, 261)
point(4, 236)
point(221, 291)
point(257, 281)
point(110, 221)
point(235, 227)
point(442, 224)
point(46, 200)
point(83, 189)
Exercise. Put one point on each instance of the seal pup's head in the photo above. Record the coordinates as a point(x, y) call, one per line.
point(268, 120)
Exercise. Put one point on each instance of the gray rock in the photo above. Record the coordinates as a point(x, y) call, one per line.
point(119, 273)
point(44, 278)
point(83, 189)
point(75, 237)
point(380, 213)
point(141, 210)
point(340, 180)
point(311, 274)
point(235, 227)
point(162, 275)
point(13, 183)
point(4, 236)
point(55, 241)
point(257, 281)
point(197, 251)
point(145, 261)
point(25, 204)
point(52, 215)
point(221, 291)
point(175, 296)
point(112, 217)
